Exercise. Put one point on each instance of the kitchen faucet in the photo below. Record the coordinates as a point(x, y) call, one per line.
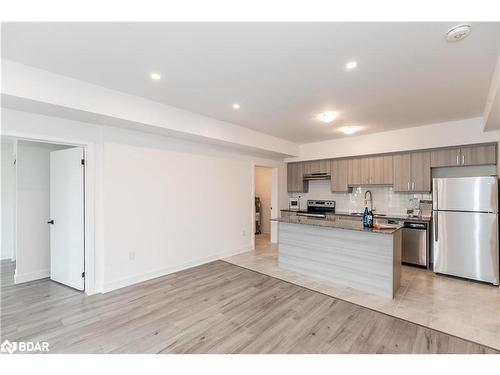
point(371, 200)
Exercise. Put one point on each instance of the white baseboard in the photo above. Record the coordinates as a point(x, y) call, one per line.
point(121, 283)
point(30, 276)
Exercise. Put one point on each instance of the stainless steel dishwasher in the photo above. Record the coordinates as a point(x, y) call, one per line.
point(415, 243)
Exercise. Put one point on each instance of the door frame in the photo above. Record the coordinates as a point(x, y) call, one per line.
point(274, 201)
point(89, 188)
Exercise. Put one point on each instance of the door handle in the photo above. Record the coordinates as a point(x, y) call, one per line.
point(408, 185)
point(435, 227)
point(50, 222)
point(413, 185)
point(458, 162)
point(463, 159)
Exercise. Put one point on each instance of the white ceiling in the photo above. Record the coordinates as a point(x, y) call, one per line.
point(282, 74)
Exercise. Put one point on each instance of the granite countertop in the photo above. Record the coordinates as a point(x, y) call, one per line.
point(349, 225)
point(377, 216)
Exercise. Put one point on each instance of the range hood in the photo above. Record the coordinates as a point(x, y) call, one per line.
point(317, 176)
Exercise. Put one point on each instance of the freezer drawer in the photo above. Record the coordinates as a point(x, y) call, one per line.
point(414, 249)
point(466, 245)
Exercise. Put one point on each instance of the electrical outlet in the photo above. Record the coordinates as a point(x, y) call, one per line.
point(131, 255)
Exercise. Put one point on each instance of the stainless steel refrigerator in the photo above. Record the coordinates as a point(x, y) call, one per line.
point(465, 227)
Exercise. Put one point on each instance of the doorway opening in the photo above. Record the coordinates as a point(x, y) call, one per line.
point(45, 218)
point(265, 207)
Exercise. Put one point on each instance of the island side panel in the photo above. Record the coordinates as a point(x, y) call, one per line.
point(358, 259)
point(397, 256)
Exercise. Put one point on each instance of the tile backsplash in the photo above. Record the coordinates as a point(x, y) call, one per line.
point(385, 200)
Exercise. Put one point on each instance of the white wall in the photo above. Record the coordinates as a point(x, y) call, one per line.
point(7, 199)
point(33, 210)
point(444, 134)
point(173, 203)
point(263, 189)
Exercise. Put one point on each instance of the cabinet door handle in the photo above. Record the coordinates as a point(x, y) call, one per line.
point(413, 185)
point(408, 185)
point(463, 159)
point(458, 162)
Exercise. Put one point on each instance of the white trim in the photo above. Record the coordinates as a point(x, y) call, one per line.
point(127, 281)
point(30, 276)
point(90, 199)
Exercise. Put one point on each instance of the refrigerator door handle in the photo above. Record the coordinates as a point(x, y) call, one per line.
point(435, 227)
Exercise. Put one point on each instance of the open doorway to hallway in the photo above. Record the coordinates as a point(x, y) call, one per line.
point(43, 212)
point(265, 204)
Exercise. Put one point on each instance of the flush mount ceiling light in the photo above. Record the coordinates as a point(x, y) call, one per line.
point(327, 116)
point(236, 106)
point(458, 32)
point(349, 129)
point(351, 65)
point(155, 76)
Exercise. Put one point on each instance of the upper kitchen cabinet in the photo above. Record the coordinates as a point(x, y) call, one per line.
point(447, 157)
point(358, 171)
point(295, 178)
point(339, 170)
point(412, 172)
point(464, 156)
point(316, 166)
point(375, 170)
point(478, 155)
point(421, 171)
point(380, 170)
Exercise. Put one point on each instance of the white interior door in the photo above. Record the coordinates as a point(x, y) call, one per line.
point(67, 258)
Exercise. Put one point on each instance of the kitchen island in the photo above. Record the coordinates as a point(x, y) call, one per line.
point(367, 259)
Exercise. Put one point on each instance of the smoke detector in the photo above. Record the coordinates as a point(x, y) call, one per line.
point(458, 32)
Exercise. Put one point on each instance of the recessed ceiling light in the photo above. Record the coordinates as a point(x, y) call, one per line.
point(458, 32)
point(236, 106)
point(155, 76)
point(349, 129)
point(327, 116)
point(351, 65)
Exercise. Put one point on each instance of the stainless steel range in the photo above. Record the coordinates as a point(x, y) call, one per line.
point(318, 208)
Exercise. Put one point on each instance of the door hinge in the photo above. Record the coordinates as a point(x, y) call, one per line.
point(83, 161)
point(83, 274)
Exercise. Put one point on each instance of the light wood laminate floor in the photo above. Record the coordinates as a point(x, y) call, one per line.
point(214, 308)
point(459, 307)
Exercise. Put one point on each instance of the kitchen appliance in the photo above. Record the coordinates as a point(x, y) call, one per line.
point(293, 204)
point(415, 247)
point(425, 208)
point(316, 176)
point(318, 208)
point(465, 219)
